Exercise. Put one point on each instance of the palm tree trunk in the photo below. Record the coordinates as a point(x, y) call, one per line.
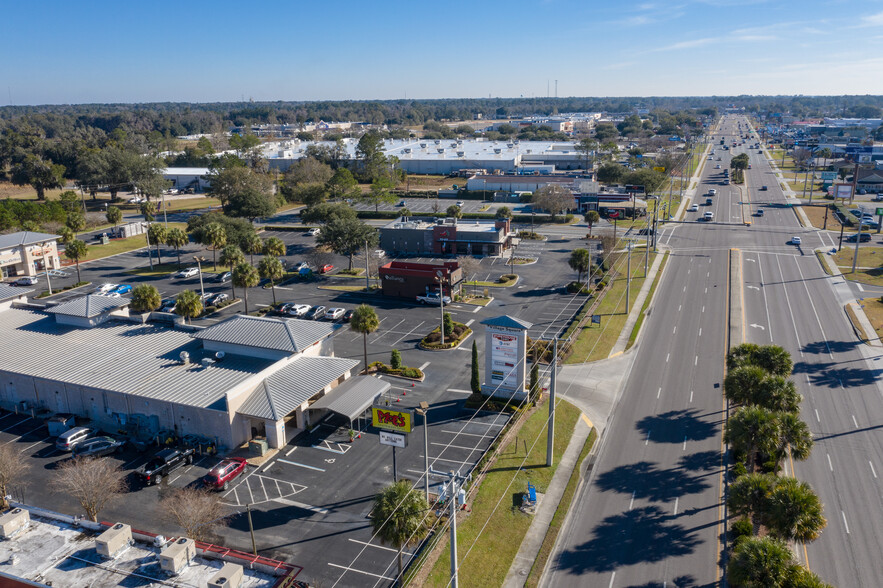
point(158, 254)
point(78, 274)
point(273, 288)
point(233, 288)
point(214, 261)
point(178, 251)
point(365, 345)
point(245, 295)
point(399, 578)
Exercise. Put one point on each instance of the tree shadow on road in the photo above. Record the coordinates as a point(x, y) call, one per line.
point(650, 482)
point(829, 376)
point(830, 346)
point(675, 425)
point(638, 536)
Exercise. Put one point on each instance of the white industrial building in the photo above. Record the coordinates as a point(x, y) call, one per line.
point(242, 378)
point(188, 178)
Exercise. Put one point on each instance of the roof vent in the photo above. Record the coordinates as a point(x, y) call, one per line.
point(207, 361)
point(185, 358)
point(220, 355)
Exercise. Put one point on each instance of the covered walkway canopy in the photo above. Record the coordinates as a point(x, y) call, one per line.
point(353, 396)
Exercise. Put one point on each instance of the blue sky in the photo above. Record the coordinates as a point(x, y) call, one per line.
point(195, 51)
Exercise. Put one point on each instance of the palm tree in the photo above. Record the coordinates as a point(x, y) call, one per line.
point(778, 393)
point(364, 320)
point(274, 246)
point(749, 495)
point(177, 238)
point(76, 222)
point(252, 244)
point(741, 384)
point(76, 250)
point(215, 237)
point(158, 236)
point(741, 355)
point(579, 262)
point(271, 269)
point(114, 215)
point(188, 304)
point(592, 217)
point(231, 256)
point(750, 430)
point(794, 511)
point(398, 515)
point(774, 359)
point(145, 298)
point(245, 276)
point(793, 435)
point(761, 562)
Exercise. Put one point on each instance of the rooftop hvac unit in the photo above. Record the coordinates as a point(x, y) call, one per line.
point(114, 540)
point(498, 151)
point(461, 154)
point(453, 145)
point(230, 576)
point(176, 556)
point(423, 145)
point(397, 225)
point(510, 145)
point(438, 142)
point(406, 150)
point(13, 522)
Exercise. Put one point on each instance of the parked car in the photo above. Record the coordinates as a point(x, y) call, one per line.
point(164, 463)
point(314, 232)
point(856, 212)
point(460, 203)
point(71, 438)
point(326, 268)
point(187, 272)
point(168, 305)
point(220, 476)
point(315, 313)
point(299, 266)
point(97, 447)
point(333, 314)
point(25, 281)
point(120, 290)
point(296, 310)
point(135, 200)
point(104, 288)
point(433, 298)
point(218, 298)
point(864, 238)
point(224, 277)
point(379, 253)
point(348, 315)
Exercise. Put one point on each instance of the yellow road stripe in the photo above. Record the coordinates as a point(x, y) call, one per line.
point(586, 420)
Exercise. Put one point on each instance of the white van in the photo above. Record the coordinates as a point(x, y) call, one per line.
point(708, 216)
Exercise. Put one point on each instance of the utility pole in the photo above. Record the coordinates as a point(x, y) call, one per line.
point(628, 281)
point(198, 259)
point(453, 486)
point(858, 239)
point(367, 271)
point(550, 437)
point(441, 304)
point(424, 412)
point(46, 267)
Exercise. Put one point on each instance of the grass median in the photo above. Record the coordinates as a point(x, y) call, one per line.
point(489, 538)
point(117, 246)
point(869, 267)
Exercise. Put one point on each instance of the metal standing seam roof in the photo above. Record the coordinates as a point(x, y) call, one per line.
point(7, 292)
point(293, 385)
point(89, 305)
point(353, 397)
point(140, 360)
point(507, 321)
point(25, 238)
point(291, 335)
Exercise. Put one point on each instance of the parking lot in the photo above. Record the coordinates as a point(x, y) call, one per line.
point(310, 501)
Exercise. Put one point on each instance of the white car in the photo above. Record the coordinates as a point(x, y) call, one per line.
point(795, 240)
point(718, 166)
point(460, 203)
point(314, 232)
point(103, 289)
point(379, 253)
point(693, 208)
point(187, 272)
point(708, 216)
point(712, 192)
point(135, 200)
point(292, 309)
point(333, 314)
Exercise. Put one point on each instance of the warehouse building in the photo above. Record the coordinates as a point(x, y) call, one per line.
point(27, 253)
point(194, 179)
point(242, 378)
point(446, 236)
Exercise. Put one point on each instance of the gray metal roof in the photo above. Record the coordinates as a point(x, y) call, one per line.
point(507, 321)
point(353, 397)
point(141, 360)
point(282, 334)
point(293, 385)
point(89, 305)
point(24, 238)
point(7, 291)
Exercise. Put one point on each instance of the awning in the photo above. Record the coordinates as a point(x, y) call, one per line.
point(353, 397)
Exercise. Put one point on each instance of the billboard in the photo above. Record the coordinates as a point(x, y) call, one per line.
point(393, 439)
point(829, 175)
point(399, 421)
point(504, 360)
point(842, 190)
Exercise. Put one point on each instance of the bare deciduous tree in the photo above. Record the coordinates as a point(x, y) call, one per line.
point(198, 512)
point(93, 482)
point(469, 265)
point(13, 467)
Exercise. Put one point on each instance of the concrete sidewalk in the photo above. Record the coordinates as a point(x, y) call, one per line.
point(533, 540)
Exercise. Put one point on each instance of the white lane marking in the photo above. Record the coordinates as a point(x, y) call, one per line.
point(812, 304)
point(676, 505)
point(632, 501)
point(700, 331)
point(613, 577)
point(37, 443)
point(830, 465)
point(647, 440)
point(691, 396)
point(708, 274)
point(855, 422)
point(290, 451)
point(667, 355)
point(845, 524)
point(426, 365)
point(685, 288)
point(696, 361)
point(675, 330)
point(294, 463)
point(469, 434)
point(659, 393)
point(703, 309)
point(352, 569)
point(459, 390)
point(817, 415)
point(706, 290)
point(685, 442)
point(380, 546)
point(446, 445)
point(267, 469)
point(469, 322)
point(873, 471)
point(679, 308)
point(790, 310)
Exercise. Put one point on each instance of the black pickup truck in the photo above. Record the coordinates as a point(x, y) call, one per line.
point(164, 463)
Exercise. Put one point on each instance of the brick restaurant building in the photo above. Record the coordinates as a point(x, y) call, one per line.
point(446, 236)
point(405, 279)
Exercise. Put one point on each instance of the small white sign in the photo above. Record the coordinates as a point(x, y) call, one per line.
point(395, 439)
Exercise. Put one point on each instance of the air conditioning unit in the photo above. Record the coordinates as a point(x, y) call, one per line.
point(13, 522)
point(230, 576)
point(114, 540)
point(176, 556)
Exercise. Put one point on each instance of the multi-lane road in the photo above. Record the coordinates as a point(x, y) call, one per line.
point(652, 511)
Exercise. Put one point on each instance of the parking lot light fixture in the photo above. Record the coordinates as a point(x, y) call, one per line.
point(46, 267)
point(424, 412)
point(199, 259)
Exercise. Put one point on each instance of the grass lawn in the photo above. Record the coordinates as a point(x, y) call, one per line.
point(874, 310)
point(344, 288)
point(817, 217)
point(869, 258)
point(647, 301)
point(594, 342)
point(480, 284)
point(504, 526)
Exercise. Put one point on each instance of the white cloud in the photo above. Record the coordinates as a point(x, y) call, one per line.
point(873, 20)
point(686, 44)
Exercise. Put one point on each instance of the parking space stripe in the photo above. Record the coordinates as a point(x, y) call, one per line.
point(294, 463)
point(350, 569)
point(301, 505)
point(385, 548)
point(26, 434)
point(37, 443)
point(446, 446)
point(468, 434)
point(434, 459)
point(15, 425)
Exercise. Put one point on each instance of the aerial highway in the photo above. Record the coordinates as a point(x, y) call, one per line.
point(651, 512)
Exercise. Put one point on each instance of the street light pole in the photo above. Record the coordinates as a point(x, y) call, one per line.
point(553, 383)
point(254, 547)
point(424, 412)
point(46, 267)
point(628, 279)
point(441, 303)
point(199, 261)
point(367, 271)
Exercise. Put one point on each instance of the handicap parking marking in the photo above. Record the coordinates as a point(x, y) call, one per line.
point(337, 448)
point(261, 489)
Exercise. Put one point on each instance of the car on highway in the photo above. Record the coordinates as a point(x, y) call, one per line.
point(315, 313)
point(763, 188)
point(120, 290)
point(25, 281)
point(221, 475)
point(759, 212)
point(863, 238)
point(693, 208)
point(795, 240)
point(224, 277)
point(712, 192)
point(708, 216)
point(187, 272)
point(97, 447)
point(314, 232)
point(216, 299)
point(334, 314)
point(326, 268)
point(718, 166)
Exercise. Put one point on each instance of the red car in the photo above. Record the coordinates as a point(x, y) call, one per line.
point(220, 476)
point(326, 268)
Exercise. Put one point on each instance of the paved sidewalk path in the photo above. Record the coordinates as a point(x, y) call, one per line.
point(533, 540)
